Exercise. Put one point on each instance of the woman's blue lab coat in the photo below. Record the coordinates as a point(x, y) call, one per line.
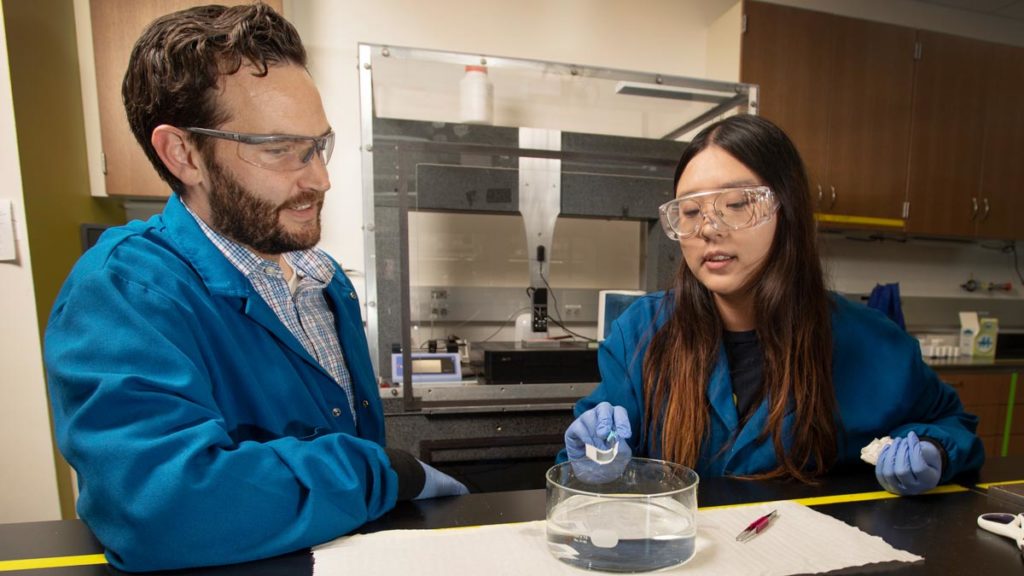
point(882, 388)
point(201, 430)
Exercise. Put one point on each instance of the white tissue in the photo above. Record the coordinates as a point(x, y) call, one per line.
point(602, 457)
point(872, 451)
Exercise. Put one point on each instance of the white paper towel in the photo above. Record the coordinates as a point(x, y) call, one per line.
point(800, 540)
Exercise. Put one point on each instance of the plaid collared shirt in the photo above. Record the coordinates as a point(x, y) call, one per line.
point(306, 313)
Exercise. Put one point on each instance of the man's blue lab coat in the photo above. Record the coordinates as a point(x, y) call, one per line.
point(882, 388)
point(201, 430)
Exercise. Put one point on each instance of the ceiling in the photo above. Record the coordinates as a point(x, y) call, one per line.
point(1008, 9)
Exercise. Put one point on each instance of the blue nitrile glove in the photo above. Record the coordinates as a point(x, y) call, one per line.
point(438, 483)
point(594, 427)
point(909, 466)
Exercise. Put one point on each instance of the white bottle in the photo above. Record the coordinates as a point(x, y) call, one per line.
point(476, 105)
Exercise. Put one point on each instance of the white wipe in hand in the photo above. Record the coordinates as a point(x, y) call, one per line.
point(872, 451)
point(602, 457)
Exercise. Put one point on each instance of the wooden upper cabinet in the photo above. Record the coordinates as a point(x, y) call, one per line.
point(116, 25)
point(947, 135)
point(872, 86)
point(1002, 175)
point(842, 89)
point(786, 51)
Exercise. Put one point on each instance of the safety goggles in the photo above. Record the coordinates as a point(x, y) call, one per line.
point(725, 209)
point(280, 152)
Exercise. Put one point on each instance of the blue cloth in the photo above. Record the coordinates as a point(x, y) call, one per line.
point(882, 387)
point(201, 430)
point(886, 299)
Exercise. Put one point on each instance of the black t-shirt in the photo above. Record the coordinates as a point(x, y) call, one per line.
point(743, 350)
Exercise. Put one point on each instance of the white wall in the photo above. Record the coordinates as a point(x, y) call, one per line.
point(665, 36)
point(28, 482)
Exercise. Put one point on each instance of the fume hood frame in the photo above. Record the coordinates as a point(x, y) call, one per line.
point(626, 177)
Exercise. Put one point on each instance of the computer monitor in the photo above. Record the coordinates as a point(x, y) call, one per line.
point(610, 305)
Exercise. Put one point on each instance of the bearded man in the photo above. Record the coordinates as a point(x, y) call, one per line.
point(208, 369)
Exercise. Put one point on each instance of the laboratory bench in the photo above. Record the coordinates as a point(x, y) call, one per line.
point(500, 437)
point(988, 389)
point(493, 437)
point(971, 364)
point(940, 526)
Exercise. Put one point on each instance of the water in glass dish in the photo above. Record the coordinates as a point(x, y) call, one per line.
point(618, 535)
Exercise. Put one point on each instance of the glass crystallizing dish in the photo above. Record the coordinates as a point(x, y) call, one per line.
point(644, 520)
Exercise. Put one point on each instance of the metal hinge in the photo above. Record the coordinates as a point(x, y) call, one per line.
point(743, 26)
point(906, 209)
point(917, 50)
point(103, 162)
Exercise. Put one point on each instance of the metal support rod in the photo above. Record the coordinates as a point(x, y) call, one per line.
point(700, 120)
point(408, 401)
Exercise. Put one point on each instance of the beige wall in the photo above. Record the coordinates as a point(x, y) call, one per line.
point(41, 56)
point(28, 484)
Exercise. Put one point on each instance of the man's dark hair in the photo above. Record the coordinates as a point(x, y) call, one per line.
point(175, 65)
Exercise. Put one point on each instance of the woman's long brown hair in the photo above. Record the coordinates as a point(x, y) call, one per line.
point(792, 315)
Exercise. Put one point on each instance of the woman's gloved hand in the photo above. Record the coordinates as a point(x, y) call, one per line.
point(909, 466)
point(594, 427)
point(438, 483)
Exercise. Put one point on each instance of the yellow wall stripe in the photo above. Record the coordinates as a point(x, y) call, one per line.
point(55, 562)
point(863, 220)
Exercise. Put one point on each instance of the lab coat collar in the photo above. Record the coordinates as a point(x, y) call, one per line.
point(724, 408)
point(222, 278)
point(219, 275)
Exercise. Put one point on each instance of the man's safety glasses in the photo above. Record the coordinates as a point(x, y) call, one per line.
point(279, 152)
point(725, 209)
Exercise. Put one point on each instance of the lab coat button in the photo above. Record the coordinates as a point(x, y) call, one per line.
point(352, 295)
point(336, 412)
point(366, 403)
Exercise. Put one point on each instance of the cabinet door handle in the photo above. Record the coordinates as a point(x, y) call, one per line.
point(833, 201)
point(974, 208)
point(984, 215)
point(819, 196)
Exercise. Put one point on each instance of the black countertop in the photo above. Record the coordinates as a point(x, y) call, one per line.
point(939, 526)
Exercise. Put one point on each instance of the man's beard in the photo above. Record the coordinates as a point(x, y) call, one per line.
point(251, 221)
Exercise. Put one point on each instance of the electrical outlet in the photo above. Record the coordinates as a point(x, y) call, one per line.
point(573, 310)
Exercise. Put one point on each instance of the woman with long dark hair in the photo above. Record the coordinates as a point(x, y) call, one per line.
point(749, 366)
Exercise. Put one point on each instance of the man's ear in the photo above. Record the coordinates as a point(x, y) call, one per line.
point(178, 154)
